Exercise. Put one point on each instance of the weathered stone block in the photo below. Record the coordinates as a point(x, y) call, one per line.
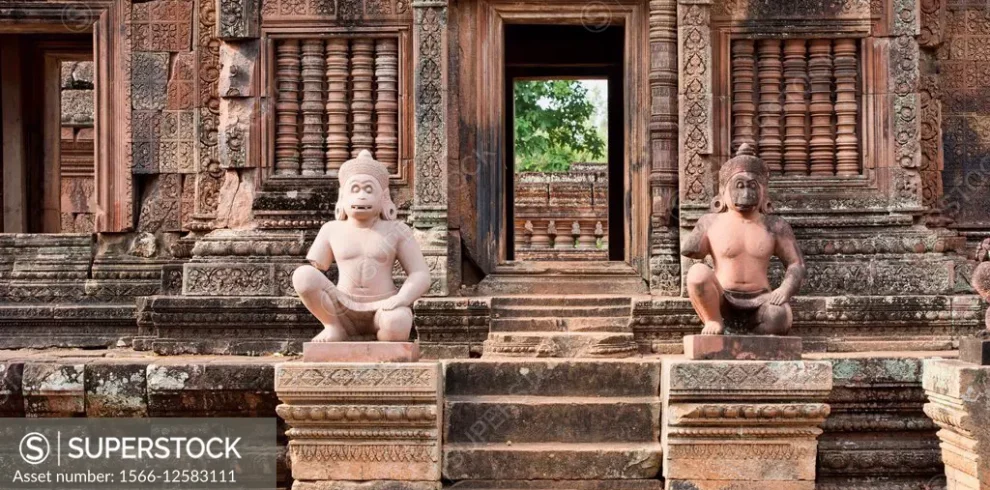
point(238, 19)
point(11, 396)
point(235, 197)
point(975, 350)
point(77, 107)
point(116, 389)
point(552, 462)
point(238, 68)
point(193, 390)
point(958, 392)
point(237, 149)
point(395, 405)
point(367, 485)
point(552, 378)
point(149, 80)
point(53, 389)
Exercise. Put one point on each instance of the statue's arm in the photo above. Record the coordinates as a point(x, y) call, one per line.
point(789, 253)
point(417, 272)
point(695, 245)
point(320, 254)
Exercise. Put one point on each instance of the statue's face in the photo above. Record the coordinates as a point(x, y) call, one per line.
point(362, 197)
point(744, 192)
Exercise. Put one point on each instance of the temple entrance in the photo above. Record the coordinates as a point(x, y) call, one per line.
point(564, 147)
point(47, 104)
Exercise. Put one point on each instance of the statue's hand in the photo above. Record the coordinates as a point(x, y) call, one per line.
point(392, 303)
point(778, 297)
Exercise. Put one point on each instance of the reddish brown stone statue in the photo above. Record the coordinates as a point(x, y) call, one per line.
point(365, 241)
point(741, 237)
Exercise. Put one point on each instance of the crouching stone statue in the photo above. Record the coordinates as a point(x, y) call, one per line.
point(741, 237)
point(364, 241)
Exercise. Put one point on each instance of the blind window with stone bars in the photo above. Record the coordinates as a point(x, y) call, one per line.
point(797, 102)
point(335, 97)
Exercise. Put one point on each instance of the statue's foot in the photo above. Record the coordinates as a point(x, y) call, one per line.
point(331, 334)
point(713, 328)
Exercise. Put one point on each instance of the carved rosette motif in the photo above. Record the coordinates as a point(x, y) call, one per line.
point(353, 421)
point(695, 104)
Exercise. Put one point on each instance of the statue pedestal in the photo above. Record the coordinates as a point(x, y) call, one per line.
point(376, 423)
point(374, 351)
point(743, 425)
point(742, 347)
point(959, 403)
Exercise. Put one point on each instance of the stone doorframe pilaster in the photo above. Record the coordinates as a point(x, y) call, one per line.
point(479, 76)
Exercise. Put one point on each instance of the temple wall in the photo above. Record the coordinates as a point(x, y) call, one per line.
point(963, 62)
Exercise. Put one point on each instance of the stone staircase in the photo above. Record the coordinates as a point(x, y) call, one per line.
point(568, 326)
point(553, 419)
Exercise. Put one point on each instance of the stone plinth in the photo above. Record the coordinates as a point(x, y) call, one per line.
point(959, 403)
point(744, 425)
point(361, 422)
point(742, 347)
point(360, 352)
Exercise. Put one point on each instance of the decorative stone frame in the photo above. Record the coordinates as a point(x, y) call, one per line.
point(889, 112)
point(481, 100)
point(108, 20)
point(269, 91)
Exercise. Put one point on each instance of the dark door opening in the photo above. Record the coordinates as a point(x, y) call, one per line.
point(564, 164)
point(47, 133)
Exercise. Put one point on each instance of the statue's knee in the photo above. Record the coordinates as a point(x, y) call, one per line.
point(394, 325)
point(776, 319)
point(307, 279)
point(699, 275)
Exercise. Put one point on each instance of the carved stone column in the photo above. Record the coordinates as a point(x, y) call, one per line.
point(358, 425)
point(744, 425)
point(429, 209)
point(665, 272)
point(959, 394)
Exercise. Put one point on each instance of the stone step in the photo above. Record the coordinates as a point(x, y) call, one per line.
point(560, 344)
point(654, 484)
point(546, 324)
point(560, 300)
point(560, 283)
point(556, 311)
point(551, 461)
point(532, 419)
point(552, 377)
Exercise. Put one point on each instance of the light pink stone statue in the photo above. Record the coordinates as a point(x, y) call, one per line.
point(364, 240)
point(741, 237)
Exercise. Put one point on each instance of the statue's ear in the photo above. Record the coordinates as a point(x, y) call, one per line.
point(389, 209)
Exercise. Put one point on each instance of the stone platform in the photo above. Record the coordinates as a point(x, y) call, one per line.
point(875, 438)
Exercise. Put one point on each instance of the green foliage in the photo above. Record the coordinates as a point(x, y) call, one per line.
point(554, 127)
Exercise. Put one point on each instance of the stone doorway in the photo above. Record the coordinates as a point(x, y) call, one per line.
point(47, 104)
point(564, 188)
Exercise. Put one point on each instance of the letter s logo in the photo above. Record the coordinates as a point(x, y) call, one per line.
point(35, 448)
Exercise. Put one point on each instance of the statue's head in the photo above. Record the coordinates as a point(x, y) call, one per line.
point(364, 190)
point(743, 182)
